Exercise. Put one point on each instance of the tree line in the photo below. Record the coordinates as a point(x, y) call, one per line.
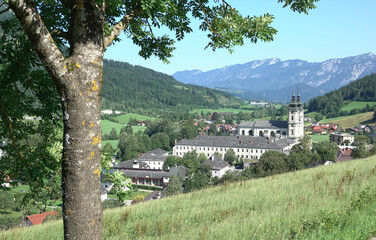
point(331, 103)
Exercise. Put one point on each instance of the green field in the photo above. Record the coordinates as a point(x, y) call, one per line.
point(130, 195)
point(234, 110)
point(125, 117)
point(357, 105)
point(107, 125)
point(113, 143)
point(319, 138)
point(337, 201)
point(352, 120)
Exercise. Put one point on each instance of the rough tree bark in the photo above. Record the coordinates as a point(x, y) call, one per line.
point(79, 82)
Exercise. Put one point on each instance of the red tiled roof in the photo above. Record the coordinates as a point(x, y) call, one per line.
point(38, 218)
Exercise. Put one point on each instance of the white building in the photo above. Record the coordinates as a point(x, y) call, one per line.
point(293, 128)
point(245, 147)
point(218, 166)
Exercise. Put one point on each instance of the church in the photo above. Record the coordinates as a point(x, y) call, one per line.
point(254, 138)
point(292, 128)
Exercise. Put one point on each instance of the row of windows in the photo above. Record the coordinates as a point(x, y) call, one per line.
point(238, 155)
point(201, 148)
point(219, 149)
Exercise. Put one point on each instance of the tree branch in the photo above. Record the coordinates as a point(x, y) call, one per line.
point(39, 36)
point(59, 33)
point(5, 10)
point(118, 27)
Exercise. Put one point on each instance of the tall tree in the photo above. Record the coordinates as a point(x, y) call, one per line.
point(88, 27)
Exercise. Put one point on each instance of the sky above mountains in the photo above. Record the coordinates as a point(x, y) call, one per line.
point(335, 29)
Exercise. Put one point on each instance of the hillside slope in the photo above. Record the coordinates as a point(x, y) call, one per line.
point(261, 76)
point(328, 202)
point(129, 87)
point(331, 103)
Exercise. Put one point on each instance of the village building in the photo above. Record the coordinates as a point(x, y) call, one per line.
point(340, 138)
point(245, 147)
point(37, 219)
point(147, 169)
point(254, 139)
point(218, 166)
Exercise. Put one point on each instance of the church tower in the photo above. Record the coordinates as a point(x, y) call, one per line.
point(296, 118)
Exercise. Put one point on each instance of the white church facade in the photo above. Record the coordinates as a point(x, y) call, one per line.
point(292, 128)
point(254, 138)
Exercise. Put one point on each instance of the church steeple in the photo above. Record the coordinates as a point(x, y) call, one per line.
point(298, 97)
point(293, 97)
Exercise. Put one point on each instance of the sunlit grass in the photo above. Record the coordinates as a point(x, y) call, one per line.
point(275, 207)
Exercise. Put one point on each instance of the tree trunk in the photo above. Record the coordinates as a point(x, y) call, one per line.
point(82, 207)
point(79, 82)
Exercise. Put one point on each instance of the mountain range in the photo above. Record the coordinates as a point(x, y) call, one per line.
point(274, 79)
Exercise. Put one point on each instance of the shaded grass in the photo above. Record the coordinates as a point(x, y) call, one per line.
point(318, 203)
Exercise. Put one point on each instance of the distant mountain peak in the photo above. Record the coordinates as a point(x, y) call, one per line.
point(272, 74)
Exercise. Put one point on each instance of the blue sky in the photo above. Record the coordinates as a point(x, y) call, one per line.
point(335, 29)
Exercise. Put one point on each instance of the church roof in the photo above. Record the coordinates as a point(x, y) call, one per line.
point(237, 142)
point(264, 124)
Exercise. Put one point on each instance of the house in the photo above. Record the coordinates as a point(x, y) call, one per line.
point(340, 138)
point(154, 177)
point(218, 166)
point(147, 169)
point(344, 154)
point(104, 192)
point(308, 119)
point(151, 160)
point(37, 219)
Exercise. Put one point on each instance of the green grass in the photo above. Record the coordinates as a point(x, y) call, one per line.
point(138, 128)
point(234, 110)
point(351, 121)
point(319, 138)
point(357, 105)
point(130, 195)
point(125, 117)
point(107, 126)
point(337, 201)
point(113, 143)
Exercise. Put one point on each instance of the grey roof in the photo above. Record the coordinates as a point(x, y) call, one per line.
point(104, 190)
point(216, 162)
point(155, 173)
point(237, 142)
point(264, 124)
point(154, 155)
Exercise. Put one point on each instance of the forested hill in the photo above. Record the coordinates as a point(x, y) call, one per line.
point(127, 87)
point(330, 104)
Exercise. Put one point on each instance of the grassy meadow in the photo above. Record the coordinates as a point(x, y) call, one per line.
point(234, 110)
point(319, 138)
point(357, 105)
point(337, 201)
point(125, 117)
point(350, 121)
